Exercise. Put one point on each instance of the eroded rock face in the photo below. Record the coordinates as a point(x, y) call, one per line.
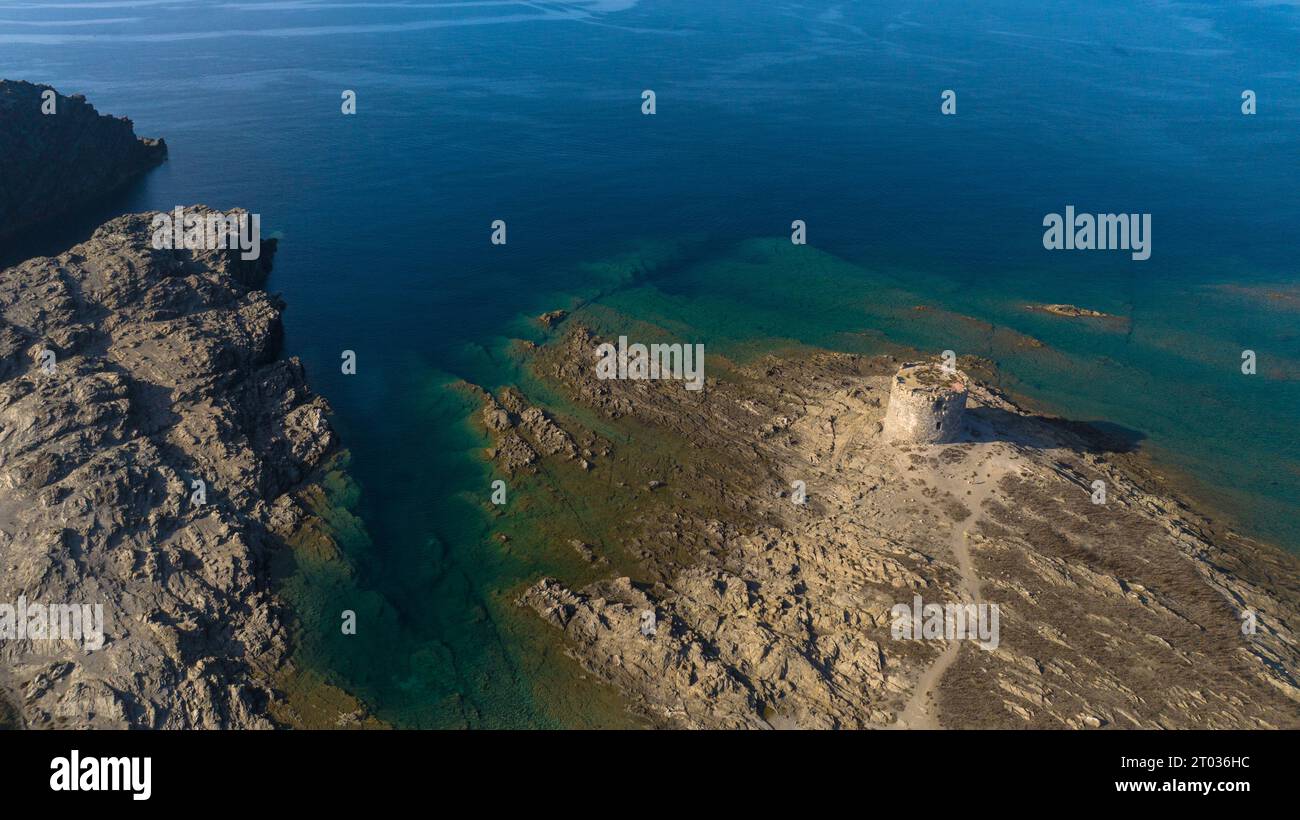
point(52, 164)
point(164, 372)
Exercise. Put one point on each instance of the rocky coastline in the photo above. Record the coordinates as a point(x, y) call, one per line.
point(739, 552)
point(160, 462)
point(155, 451)
point(780, 527)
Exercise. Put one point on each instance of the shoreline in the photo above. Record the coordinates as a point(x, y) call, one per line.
point(156, 445)
point(557, 604)
point(304, 521)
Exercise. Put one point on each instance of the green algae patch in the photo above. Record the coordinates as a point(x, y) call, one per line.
point(316, 578)
point(312, 702)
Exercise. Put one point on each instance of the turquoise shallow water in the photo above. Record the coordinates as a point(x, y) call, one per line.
point(821, 111)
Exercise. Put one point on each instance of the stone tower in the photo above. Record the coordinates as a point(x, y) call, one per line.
point(926, 403)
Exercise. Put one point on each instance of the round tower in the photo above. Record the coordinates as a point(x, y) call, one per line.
point(926, 402)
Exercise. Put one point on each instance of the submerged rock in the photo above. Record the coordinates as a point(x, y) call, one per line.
point(552, 318)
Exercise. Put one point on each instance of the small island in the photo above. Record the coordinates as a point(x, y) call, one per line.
point(1071, 312)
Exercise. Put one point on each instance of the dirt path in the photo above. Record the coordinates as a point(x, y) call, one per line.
point(919, 711)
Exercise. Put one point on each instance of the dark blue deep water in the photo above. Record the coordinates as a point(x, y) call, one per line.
point(766, 112)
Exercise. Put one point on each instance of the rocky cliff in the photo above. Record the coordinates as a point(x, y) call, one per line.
point(53, 163)
point(150, 442)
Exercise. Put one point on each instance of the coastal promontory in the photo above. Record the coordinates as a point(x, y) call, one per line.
point(819, 523)
point(57, 154)
point(151, 443)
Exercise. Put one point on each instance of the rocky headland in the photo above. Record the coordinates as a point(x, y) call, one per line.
point(52, 164)
point(770, 523)
point(156, 453)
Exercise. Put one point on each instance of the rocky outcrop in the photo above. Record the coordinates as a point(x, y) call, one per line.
point(795, 528)
point(150, 442)
point(523, 433)
point(552, 318)
point(54, 163)
point(1071, 311)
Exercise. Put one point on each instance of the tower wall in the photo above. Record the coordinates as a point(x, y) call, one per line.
point(926, 404)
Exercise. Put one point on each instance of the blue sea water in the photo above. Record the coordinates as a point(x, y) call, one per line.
point(530, 112)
